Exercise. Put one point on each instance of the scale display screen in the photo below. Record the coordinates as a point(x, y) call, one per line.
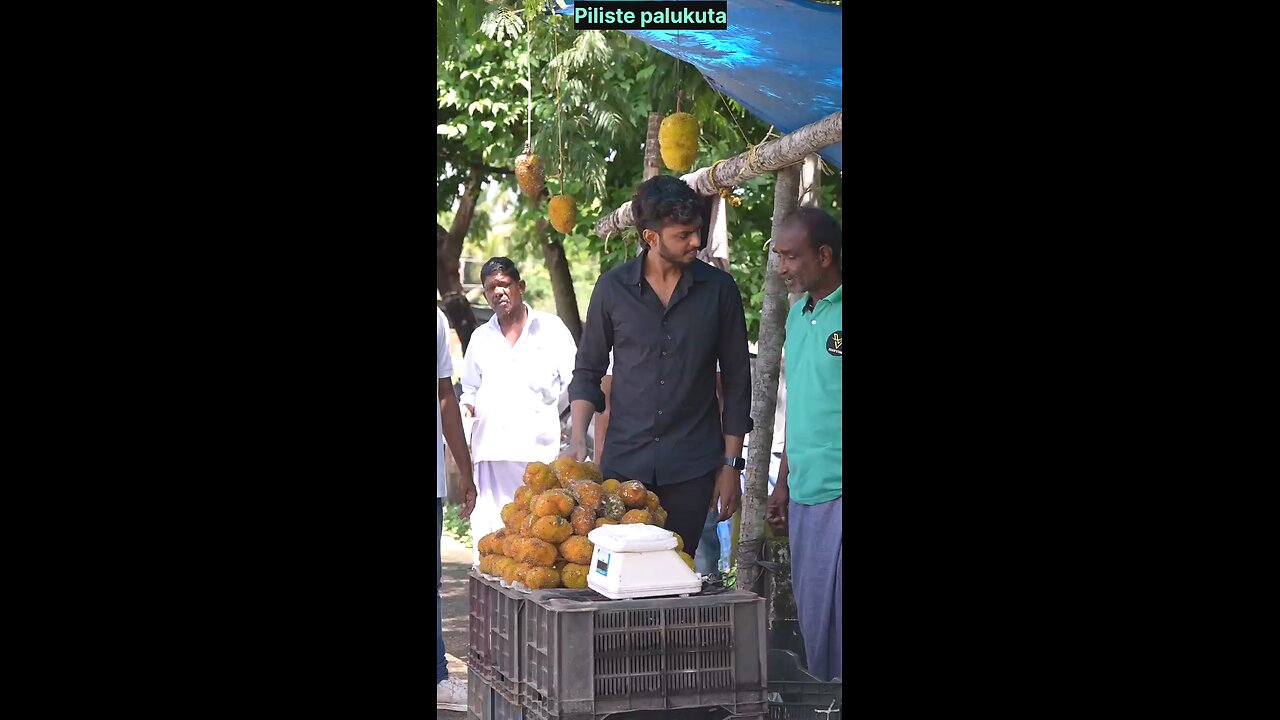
point(602, 563)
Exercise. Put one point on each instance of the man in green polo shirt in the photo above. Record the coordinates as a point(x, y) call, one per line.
point(807, 501)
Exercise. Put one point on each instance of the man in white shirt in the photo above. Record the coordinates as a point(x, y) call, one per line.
point(515, 368)
point(450, 695)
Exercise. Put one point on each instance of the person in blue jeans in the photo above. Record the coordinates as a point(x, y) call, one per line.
point(450, 694)
point(707, 559)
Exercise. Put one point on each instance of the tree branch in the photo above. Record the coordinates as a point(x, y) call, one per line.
point(767, 157)
point(487, 169)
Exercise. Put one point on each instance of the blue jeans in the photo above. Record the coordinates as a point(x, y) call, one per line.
point(442, 667)
point(707, 559)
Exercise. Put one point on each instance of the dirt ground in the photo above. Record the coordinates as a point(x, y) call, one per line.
point(456, 560)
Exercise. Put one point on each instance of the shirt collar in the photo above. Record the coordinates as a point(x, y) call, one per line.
point(834, 297)
point(633, 271)
point(530, 319)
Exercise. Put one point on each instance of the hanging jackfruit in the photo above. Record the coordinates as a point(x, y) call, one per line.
point(564, 213)
point(529, 173)
point(678, 141)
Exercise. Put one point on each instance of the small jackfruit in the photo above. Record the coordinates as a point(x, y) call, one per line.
point(583, 521)
point(687, 560)
point(659, 517)
point(523, 495)
point(529, 174)
point(563, 212)
point(553, 502)
point(588, 494)
point(574, 576)
point(577, 549)
point(633, 494)
point(611, 507)
point(539, 553)
point(651, 501)
point(541, 578)
point(566, 470)
point(554, 529)
point(592, 471)
point(539, 477)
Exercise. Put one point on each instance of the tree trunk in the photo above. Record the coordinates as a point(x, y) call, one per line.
point(773, 155)
point(448, 251)
point(652, 158)
point(764, 394)
point(561, 280)
point(652, 152)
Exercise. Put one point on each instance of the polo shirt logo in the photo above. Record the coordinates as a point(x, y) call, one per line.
point(834, 343)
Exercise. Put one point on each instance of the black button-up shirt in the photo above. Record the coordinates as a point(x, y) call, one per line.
point(665, 421)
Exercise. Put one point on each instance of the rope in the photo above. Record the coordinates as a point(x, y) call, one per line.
point(555, 49)
point(725, 191)
point(729, 110)
point(528, 51)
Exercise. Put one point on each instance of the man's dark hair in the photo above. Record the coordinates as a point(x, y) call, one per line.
point(663, 200)
point(821, 228)
point(499, 265)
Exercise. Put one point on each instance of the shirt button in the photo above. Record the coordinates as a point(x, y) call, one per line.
point(813, 322)
point(656, 439)
point(664, 353)
point(662, 382)
point(659, 412)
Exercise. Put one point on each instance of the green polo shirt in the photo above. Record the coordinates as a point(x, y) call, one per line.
point(813, 349)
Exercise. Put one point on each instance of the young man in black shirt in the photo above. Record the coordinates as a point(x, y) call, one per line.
point(668, 318)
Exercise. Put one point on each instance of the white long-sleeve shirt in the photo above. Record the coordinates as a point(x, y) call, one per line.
point(515, 389)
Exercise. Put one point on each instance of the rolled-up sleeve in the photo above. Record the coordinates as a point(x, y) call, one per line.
point(735, 362)
point(593, 351)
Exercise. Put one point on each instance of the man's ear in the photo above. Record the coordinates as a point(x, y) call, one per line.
point(649, 237)
point(824, 256)
point(522, 287)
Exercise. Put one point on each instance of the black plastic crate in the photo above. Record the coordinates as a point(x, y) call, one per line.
point(494, 633)
point(795, 694)
point(486, 702)
point(586, 658)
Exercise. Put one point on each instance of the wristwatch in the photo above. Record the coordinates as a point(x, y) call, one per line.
point(736, 463)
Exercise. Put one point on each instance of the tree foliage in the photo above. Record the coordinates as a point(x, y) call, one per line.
point(592, 92)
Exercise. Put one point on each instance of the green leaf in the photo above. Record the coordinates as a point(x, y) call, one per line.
point(646, 72)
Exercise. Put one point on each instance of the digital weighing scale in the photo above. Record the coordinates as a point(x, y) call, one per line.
point(638, 561)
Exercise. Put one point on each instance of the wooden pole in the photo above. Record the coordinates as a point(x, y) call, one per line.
point(764, 393)
point(773, 155)
point(652, 158)
point(810, 181)
point(652, 155)
point(810, 186)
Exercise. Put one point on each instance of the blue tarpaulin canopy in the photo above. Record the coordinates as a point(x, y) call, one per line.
point(779, 59)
